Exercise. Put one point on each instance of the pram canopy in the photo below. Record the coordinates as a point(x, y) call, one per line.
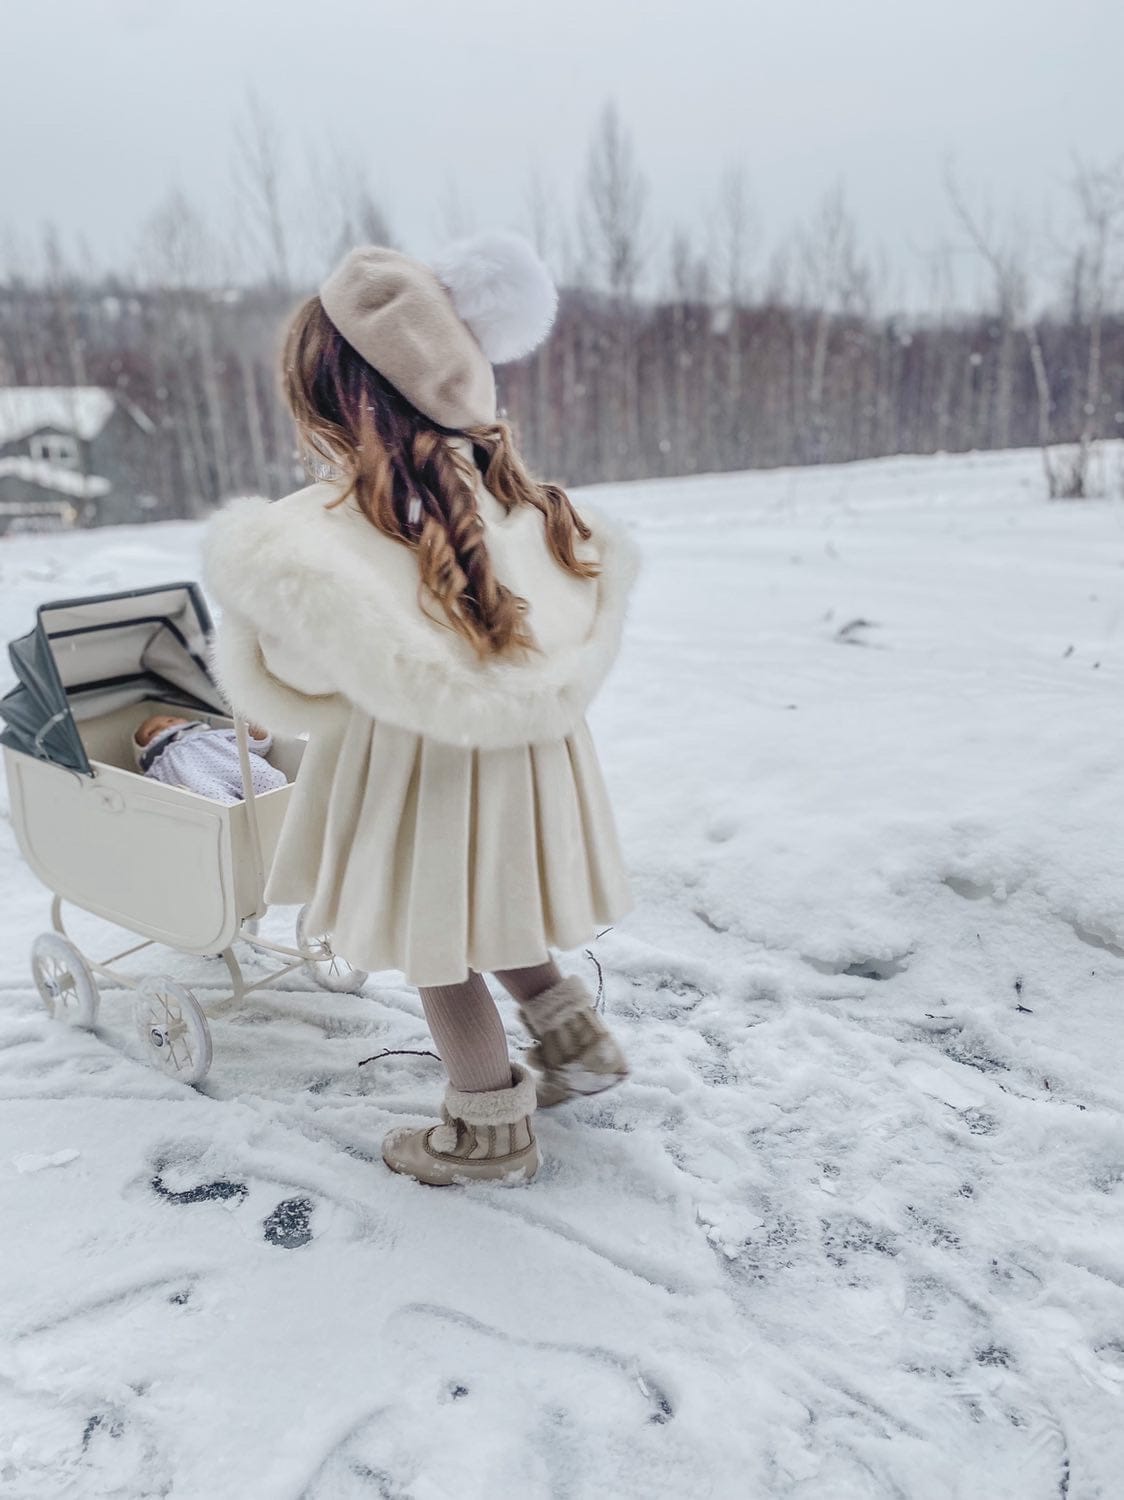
point(86, 657)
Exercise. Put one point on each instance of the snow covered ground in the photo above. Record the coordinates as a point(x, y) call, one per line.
point(855, 1228)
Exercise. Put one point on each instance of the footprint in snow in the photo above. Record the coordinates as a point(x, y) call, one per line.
point(204, 1192)
point(288, 1226)
point(863, 968)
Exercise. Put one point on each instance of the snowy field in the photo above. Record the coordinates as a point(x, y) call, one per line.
point(855, 1227)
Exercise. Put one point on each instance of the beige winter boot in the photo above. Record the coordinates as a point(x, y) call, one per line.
point(575, 1052)
point(483, 1137)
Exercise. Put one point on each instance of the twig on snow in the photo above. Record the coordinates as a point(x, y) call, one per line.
point(398, 1052)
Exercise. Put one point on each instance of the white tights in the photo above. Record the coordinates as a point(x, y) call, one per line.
point(466, 1025)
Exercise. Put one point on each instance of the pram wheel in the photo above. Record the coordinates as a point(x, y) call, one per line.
point(173, 1029)
point(64, 980)
point(327, 968)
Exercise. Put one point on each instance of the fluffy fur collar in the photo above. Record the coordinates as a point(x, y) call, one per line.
point(327, 587)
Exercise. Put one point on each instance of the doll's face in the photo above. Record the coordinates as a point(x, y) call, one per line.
point(154, 726)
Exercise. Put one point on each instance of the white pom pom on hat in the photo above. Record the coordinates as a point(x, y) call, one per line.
point(501, 289)
point(435, 331)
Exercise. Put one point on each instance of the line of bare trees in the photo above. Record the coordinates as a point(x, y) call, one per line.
point(672, 354)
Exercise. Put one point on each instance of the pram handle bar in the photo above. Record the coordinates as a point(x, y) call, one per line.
point(242, 735)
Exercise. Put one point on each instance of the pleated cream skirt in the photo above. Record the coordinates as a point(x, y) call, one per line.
point(435, 859)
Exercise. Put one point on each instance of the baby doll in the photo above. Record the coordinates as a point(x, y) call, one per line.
point(202, 758)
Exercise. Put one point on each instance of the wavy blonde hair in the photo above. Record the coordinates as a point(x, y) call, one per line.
point(415, 487)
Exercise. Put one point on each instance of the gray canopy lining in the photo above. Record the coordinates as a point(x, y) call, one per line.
point(86, 657)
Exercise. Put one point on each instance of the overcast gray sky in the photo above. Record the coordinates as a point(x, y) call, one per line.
point(105, 103)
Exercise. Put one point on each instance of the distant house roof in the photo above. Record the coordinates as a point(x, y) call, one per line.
point(49, 477)
point(81, 409)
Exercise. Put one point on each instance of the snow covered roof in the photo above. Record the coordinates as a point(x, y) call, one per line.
point(50, 477)
point(81, 409)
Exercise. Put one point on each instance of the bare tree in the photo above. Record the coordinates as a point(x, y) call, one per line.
point(690, 354)
point(611, 223)
point(612, 210)
point(940, 371)
point(1044, 405)
point(177, 249)
point(736, 232)
point(834, 280)
point(1004, 258)
point(182, 261)
point(24, 338)
point(541, 214)
point(59, 281)
point(541, 211)
point(260, 186)
point(343, 208)
point(1097, 273)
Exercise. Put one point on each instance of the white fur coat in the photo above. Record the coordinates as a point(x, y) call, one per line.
point(321, 614)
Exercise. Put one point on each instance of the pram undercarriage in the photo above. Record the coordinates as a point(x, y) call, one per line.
point(171, 1023)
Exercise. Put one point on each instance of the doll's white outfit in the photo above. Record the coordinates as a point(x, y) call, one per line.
point(203, 758)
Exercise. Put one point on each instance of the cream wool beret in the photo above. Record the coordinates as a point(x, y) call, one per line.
point(434, 331)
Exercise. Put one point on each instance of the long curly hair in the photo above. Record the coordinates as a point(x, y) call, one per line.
point(414, 486)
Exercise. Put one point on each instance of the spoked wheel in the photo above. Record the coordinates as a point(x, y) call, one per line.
point(64, 980)
point(173, 1029)
point(328, 970)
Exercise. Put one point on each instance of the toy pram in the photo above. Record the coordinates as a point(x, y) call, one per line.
point(171, 866)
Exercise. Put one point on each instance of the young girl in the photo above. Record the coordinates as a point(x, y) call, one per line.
point(439, 623)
